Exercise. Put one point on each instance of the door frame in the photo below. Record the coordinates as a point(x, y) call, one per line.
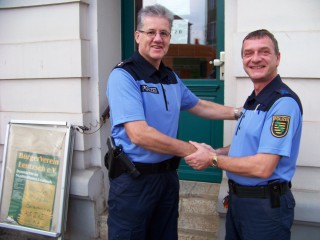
point(128, 12)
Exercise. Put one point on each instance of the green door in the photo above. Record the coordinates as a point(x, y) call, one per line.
point(197, 38)
point(202, 130)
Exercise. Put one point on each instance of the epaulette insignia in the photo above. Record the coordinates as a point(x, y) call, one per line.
point(122, 63)
point(283, 91)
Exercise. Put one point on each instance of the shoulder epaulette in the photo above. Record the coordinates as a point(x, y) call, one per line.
point(267, 103)
point(123, 63)
point(284, 92)
point(128, 65)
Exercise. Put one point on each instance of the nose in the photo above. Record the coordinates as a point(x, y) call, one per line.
point(157, 37)
point(256, 57)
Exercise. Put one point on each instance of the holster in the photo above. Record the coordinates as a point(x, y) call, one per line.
point(117, 161)
point(109, 161)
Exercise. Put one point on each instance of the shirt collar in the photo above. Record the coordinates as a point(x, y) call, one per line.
point(148, 68)
point(256, 101)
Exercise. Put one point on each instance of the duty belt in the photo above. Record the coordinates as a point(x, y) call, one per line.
point(264, 191)
point(167, 165)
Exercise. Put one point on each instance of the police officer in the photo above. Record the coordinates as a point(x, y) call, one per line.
point(145, 99)
point(261, 160)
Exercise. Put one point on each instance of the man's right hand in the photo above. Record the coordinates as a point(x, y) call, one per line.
point(202, 158)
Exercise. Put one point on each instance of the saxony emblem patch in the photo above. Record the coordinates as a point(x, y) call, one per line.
point(280, 126)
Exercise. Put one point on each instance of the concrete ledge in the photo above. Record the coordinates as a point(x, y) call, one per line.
point(307, 206)
point(86, 203)
point(32, 3)
point(82, 221)
point(87, 183)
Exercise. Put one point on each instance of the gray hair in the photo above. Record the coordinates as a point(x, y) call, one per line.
point(156, 10)
point(261, 33)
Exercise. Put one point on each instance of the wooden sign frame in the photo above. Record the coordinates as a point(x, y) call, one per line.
point(35, 177)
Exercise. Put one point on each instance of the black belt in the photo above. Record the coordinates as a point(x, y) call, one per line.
point(167, 165)
point(264, 191)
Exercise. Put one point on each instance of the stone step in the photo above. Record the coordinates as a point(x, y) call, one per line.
point(198, 217)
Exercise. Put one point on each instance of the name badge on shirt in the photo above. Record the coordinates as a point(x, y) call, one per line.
point(145, 88)
point(280, 126)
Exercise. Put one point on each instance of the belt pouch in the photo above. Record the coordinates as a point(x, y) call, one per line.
point(275, 193)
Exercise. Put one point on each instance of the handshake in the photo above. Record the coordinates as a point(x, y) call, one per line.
point(204, 156)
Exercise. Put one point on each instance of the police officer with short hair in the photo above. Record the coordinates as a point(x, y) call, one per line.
point(261, 160)
point(145, 99)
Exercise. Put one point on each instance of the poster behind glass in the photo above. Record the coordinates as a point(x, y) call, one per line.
point(34, 178)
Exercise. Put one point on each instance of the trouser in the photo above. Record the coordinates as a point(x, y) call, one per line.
point(145, 208)
point(254, 218)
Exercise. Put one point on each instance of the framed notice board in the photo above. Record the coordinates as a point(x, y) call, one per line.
point(35, 177)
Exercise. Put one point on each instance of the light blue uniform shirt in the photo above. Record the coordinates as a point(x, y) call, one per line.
point(137, 91)
point(270, 123)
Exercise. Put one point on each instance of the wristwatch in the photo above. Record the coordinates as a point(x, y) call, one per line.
point(236, 112)
point(214, 162)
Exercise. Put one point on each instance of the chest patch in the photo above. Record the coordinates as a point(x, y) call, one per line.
point(145, 88)
point(280, 126)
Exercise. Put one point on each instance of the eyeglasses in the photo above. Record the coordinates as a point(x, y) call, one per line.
point(152, 33)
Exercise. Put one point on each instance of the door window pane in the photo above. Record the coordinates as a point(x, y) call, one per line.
point(193, 40)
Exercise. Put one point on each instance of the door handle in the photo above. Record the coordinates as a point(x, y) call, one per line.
point(220, 63)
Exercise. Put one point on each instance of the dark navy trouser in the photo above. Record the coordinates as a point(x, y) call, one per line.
point(145, 208)
point(254, 219)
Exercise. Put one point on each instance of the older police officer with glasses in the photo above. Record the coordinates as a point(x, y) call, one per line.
point(145, 99)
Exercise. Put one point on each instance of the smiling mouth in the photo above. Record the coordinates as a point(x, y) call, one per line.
point(257, 67)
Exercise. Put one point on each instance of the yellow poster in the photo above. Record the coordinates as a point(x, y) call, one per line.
point(33, 191)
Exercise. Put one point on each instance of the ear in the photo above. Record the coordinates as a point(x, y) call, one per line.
point(278, 59)
point(137, 36)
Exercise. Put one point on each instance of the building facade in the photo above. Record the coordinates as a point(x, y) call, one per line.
point(55, 57)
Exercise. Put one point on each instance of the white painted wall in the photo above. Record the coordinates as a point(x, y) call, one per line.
point(55, 57)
